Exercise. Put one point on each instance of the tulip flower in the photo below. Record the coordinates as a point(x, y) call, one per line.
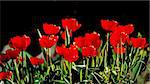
point(50, 28)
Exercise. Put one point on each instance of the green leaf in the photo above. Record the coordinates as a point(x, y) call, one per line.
point(64, 69)
point(93, 62)
point(10, 81)
point(101, 60)
point(59, 81)
point(66, 80)
point(74, 66)
point(114, 55)
point(125, 67)
point(113, 79)
point(66, 63)
point(79, 49)
point(39, 33)
point(22, 82)
point(97, 61)
point(98, 75)
point(96, 78)
point(86, 81)
point(52, 49)
point(67, 38)
point(48, 70)
point(27, 54)
point(114, 72)
point(36, 81)
point(80, 66)
point(17, 71)
point(145, 53)
point(138, 71)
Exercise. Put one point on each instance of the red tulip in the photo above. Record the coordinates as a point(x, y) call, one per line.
point(50, 28)
point(48, 41)
point(71, 23)
point(5, 75)
point(63, 35)
point(139, 42)
point(36, 61)
point(119, 50)
point(4, 57)
point(128, 29)
point(109, 25)
point(19, 42)
point(60, 49)
point(89, 51)
point(10, 54)
point(71, 54)
point(79, 41)
point(92, 39)
point(13, 54)
point(88, 39)
point(118, 38)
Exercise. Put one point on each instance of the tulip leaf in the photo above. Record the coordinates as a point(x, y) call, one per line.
point(39, 33)
point(136, 70)
point(17, 71)
point(93, 62)
point(101, 60)
point(10, 81)
point(59, 81)
point(74, 66)
point(114, 72)
point(80, 66)
point(125, 67)
point(27, 54)
point(66, 80)
point(96, 78)
point(98, 75)
point(97, 61)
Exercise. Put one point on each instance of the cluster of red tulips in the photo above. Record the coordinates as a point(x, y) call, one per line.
point(89, 48)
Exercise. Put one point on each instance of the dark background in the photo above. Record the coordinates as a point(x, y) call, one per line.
point(18, 18)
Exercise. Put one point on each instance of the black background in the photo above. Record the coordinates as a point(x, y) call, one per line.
point(18, 18)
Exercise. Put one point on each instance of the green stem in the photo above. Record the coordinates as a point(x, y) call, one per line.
point(131, 53)
point(22, 58)
point(105, 59)
point(140, 66)
point(16, 68)
point(39, 33)
point(8, 66)
point(47, 57)
point(135, 56)
point(81, 75)
point(130, 57)
point(122, 64)
point(61, 65)
point(13, 70)
point(50, 58)
point(93, 62)
point(117, 62)
point(86, 72)
point(70, 74)
point(106, 51)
